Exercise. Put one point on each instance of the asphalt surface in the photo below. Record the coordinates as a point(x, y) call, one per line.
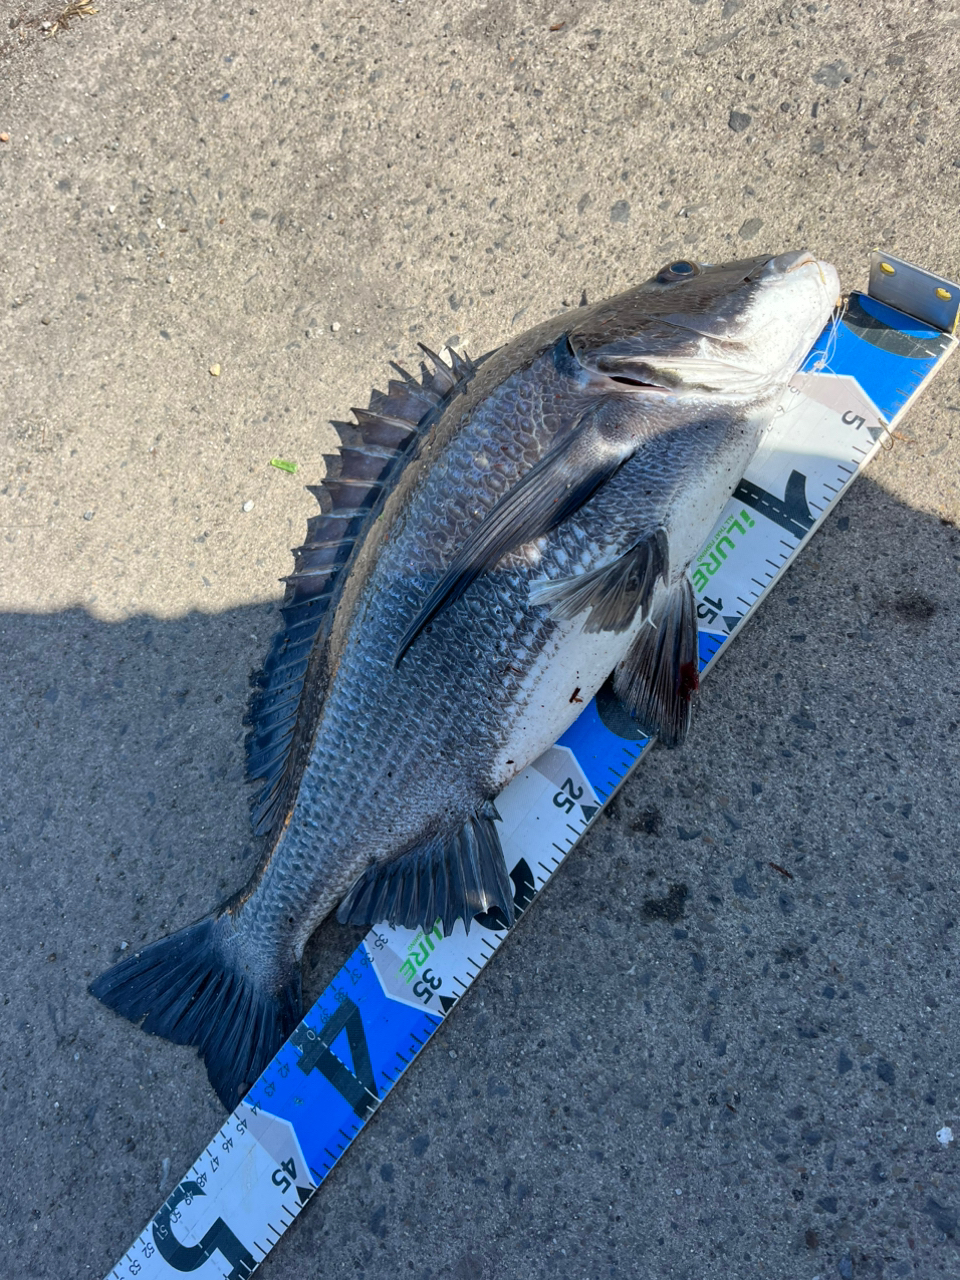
point(295, 195)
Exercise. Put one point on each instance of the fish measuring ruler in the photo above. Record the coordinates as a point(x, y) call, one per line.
point(274, 1150)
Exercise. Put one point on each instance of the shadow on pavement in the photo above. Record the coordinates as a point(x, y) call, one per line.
point(782, 1052)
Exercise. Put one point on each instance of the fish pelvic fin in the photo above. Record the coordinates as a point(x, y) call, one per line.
point(657, 679)
point(448, 877)
point(193, 988)
point(615, 593)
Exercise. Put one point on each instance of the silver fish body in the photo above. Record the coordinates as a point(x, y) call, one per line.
point(531, 538)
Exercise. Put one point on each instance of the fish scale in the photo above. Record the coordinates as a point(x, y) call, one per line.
point(418, 674)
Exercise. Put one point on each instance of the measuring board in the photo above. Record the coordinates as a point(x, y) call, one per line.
point(275, 1149)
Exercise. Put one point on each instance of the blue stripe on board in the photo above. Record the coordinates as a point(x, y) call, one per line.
point(708, 642)
point(888, 377)
point(593, 744)
point(321, 1115)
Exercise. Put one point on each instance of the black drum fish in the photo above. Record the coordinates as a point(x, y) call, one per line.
point(497, 538)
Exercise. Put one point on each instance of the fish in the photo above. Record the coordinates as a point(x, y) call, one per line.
point(498, 539)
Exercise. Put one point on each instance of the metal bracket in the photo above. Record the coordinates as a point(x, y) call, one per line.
point(918, 293)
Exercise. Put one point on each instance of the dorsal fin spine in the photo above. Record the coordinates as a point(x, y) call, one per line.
point(371, 453)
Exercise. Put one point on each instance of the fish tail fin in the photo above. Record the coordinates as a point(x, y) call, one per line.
point(194, 989)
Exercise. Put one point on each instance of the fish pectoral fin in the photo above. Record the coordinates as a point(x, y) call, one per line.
point(448, 877)
point(615, 592)
point(657, 679)
point(557, 486)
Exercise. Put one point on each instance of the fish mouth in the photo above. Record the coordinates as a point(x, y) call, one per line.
point(787, 263)
point(729, 330)
point(747, 357)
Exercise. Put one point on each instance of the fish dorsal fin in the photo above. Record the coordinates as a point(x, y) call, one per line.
point(373, 451)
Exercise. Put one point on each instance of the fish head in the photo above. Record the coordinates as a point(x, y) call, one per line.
point(735, 330)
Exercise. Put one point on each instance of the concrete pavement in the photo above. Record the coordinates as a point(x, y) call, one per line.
point(295, 195)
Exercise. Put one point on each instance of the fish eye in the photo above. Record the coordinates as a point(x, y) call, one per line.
point(682, 270)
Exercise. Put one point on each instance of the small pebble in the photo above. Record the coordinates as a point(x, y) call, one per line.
point(44, 319)
point(169, 279)
point(214, 371)
point(88, 515)
point(248, 505)
point(111, 208)
point(335, 327)
point(945, 1136)
point(331, 215)
point(161, 224)
point(453, 1053)
point(124, 945)
point(4, 137)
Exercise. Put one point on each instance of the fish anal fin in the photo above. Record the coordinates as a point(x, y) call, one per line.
point(449, 877)
point(657, 679)
point(615, 593)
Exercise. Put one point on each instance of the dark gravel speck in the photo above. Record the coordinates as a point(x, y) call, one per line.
point(944, 1218)
point(649, 821)
point(669, 908)
point(739, 121)
point(832, 75)
point(743, 888)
